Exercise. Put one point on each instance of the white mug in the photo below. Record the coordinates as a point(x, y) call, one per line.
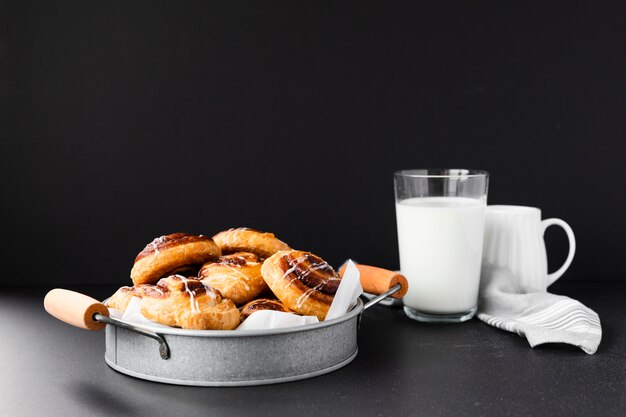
point(514, 239)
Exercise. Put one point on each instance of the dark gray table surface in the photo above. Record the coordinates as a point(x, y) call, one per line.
point(403, 368)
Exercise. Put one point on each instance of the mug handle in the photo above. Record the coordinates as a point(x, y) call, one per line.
point(572, 247)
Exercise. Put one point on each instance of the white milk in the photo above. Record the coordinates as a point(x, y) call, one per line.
point(441, 240)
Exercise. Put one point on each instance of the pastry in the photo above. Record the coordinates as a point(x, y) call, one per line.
point(188, 303)
point(237, 276)
point(122, 297)
point(304, 282)
point(262, 304)
point(173, 254)
point(244, 239)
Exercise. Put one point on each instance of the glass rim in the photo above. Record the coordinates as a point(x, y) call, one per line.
point(441, 173)
point(509, 208)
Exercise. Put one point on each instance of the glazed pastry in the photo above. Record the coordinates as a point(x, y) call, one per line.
point(304, 282)
point(262, 304)
point(244, 239)
point(122, 297)
point(188, 303)
point(237, 276)
point(173, 254)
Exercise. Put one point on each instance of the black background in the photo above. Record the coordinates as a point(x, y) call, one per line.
point(122, 121)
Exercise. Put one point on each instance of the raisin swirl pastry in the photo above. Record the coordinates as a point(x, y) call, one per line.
point(262, 304)
point(178, 253)
point(188, 303)
point(304, 282)
point(244, 239)
point(237, 276)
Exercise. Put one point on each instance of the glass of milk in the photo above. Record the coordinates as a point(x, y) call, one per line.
point(440, 216)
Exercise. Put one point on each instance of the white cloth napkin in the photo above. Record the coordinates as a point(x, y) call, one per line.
point(541, 317)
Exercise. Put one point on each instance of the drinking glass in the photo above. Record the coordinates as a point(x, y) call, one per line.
point(440, 215)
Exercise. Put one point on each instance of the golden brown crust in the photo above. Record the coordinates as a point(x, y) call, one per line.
point(190, 304)
point(262, 304)
point(304, 282)
point(175, 253)
point(244, 239)
point(236, 276)
point(122, 297)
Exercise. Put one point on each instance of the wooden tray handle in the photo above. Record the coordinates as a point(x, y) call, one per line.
point(377, 281)
point(75, 308)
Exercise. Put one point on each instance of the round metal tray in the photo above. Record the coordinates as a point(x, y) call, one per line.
point(234, 358)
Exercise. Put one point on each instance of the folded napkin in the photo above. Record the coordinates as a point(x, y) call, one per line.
point(541, 317)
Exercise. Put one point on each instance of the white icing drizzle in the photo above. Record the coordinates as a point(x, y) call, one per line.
point(155, 244)
point(193, 303)
point(305, 295)
point(245, 277)
point(314, 267)
point(294, 264)
point(246, 261)
point(234, 268)
point(236, 232)
point(209, 291)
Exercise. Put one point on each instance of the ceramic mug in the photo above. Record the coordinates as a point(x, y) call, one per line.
point(514, 239)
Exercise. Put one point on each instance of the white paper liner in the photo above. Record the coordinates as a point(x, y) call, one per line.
point(115, 313)
point(133, 315)
point(268, 319)
point(347, 293)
